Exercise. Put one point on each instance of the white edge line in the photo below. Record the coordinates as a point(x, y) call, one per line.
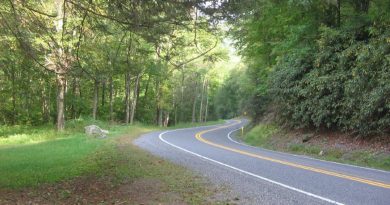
point(246, 172)
point(302, 156)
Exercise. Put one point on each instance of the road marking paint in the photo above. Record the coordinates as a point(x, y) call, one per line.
point(309, 168)
point(246, 172)
point(302, 156)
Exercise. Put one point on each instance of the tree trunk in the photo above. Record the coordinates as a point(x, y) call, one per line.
point(158, 103)
point(338, 13)
point(127, 96)
point(138, 89)
point(103, 92)
point(134, 102)
point(147, 86)
point(74, 96)
point(166, 119)
point(362, 6)
point(194, 102)
point(201, 101)
point(45, 116)
point(160, 117)
point(207, 102)
point(61, 79)
point(14, 113)
point(181, 108)
point(95, 99)
point(60, 67)
point(111, 100)
point(175, 114)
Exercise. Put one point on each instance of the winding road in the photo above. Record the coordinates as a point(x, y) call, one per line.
point(259, 176)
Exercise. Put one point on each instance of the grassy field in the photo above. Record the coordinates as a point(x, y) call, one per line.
point(35, 157)
point(270, 136)
point(31, 156)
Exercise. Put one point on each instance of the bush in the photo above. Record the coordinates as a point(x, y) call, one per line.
point(344, 83)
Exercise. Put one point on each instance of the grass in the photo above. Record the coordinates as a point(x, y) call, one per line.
point(35, 156)
point(54, 160)
point(272, 137)
point(39, 155)
point(260, 134)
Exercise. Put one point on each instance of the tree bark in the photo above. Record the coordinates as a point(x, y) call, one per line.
point(166, 119)
point(103, 92)
point(15, 114)
point(60, 101)
point(175, 115)
point(338, 13)
point(127, 96)
point(134, 101)
point(181, 108)
point(194, 103)
point(95, 99)
point(158, 103)
point(147, 86)
point(45, 107)
point(207, 102)
point(362, 6)
point(201, 101)
point(75, 91)
point(160, 117)
point(111, 100)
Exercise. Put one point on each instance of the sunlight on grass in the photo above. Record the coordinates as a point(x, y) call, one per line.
point(31, 156)
point(258, 135)
point(47, 161)
point(25, 138)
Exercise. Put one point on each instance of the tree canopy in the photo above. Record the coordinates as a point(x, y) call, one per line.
point(317, 64)
point(115, 60)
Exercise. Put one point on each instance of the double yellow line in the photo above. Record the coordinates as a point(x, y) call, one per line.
point(309, 168)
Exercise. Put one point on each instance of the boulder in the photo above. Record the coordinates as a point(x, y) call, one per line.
point(94, 130)
point(307, 137)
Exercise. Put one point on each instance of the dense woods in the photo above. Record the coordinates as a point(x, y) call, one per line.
point(126, 61)
point(317, 64)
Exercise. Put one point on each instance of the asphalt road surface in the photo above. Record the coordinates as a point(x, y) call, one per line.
point(259, 176)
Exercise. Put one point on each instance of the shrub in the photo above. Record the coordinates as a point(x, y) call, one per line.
point(344, 83)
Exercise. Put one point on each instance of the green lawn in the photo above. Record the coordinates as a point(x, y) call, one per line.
point(31, 156)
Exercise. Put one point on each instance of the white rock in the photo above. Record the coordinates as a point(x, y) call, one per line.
point(96, 131)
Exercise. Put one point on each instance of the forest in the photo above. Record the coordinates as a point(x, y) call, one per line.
point(146, 61)
point(315, 64)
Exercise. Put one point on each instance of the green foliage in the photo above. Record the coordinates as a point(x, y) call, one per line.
point(343, 83)
point(318, 64)
point(97, 50)
point(260, 134)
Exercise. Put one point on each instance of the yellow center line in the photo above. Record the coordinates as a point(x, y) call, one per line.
point(318, 170)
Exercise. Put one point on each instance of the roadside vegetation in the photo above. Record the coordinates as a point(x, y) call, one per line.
point(316, 64)
point(59, 162)
point(338, 148)
point(319, 66)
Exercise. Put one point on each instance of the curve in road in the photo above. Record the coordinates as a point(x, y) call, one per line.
point(303, 177)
